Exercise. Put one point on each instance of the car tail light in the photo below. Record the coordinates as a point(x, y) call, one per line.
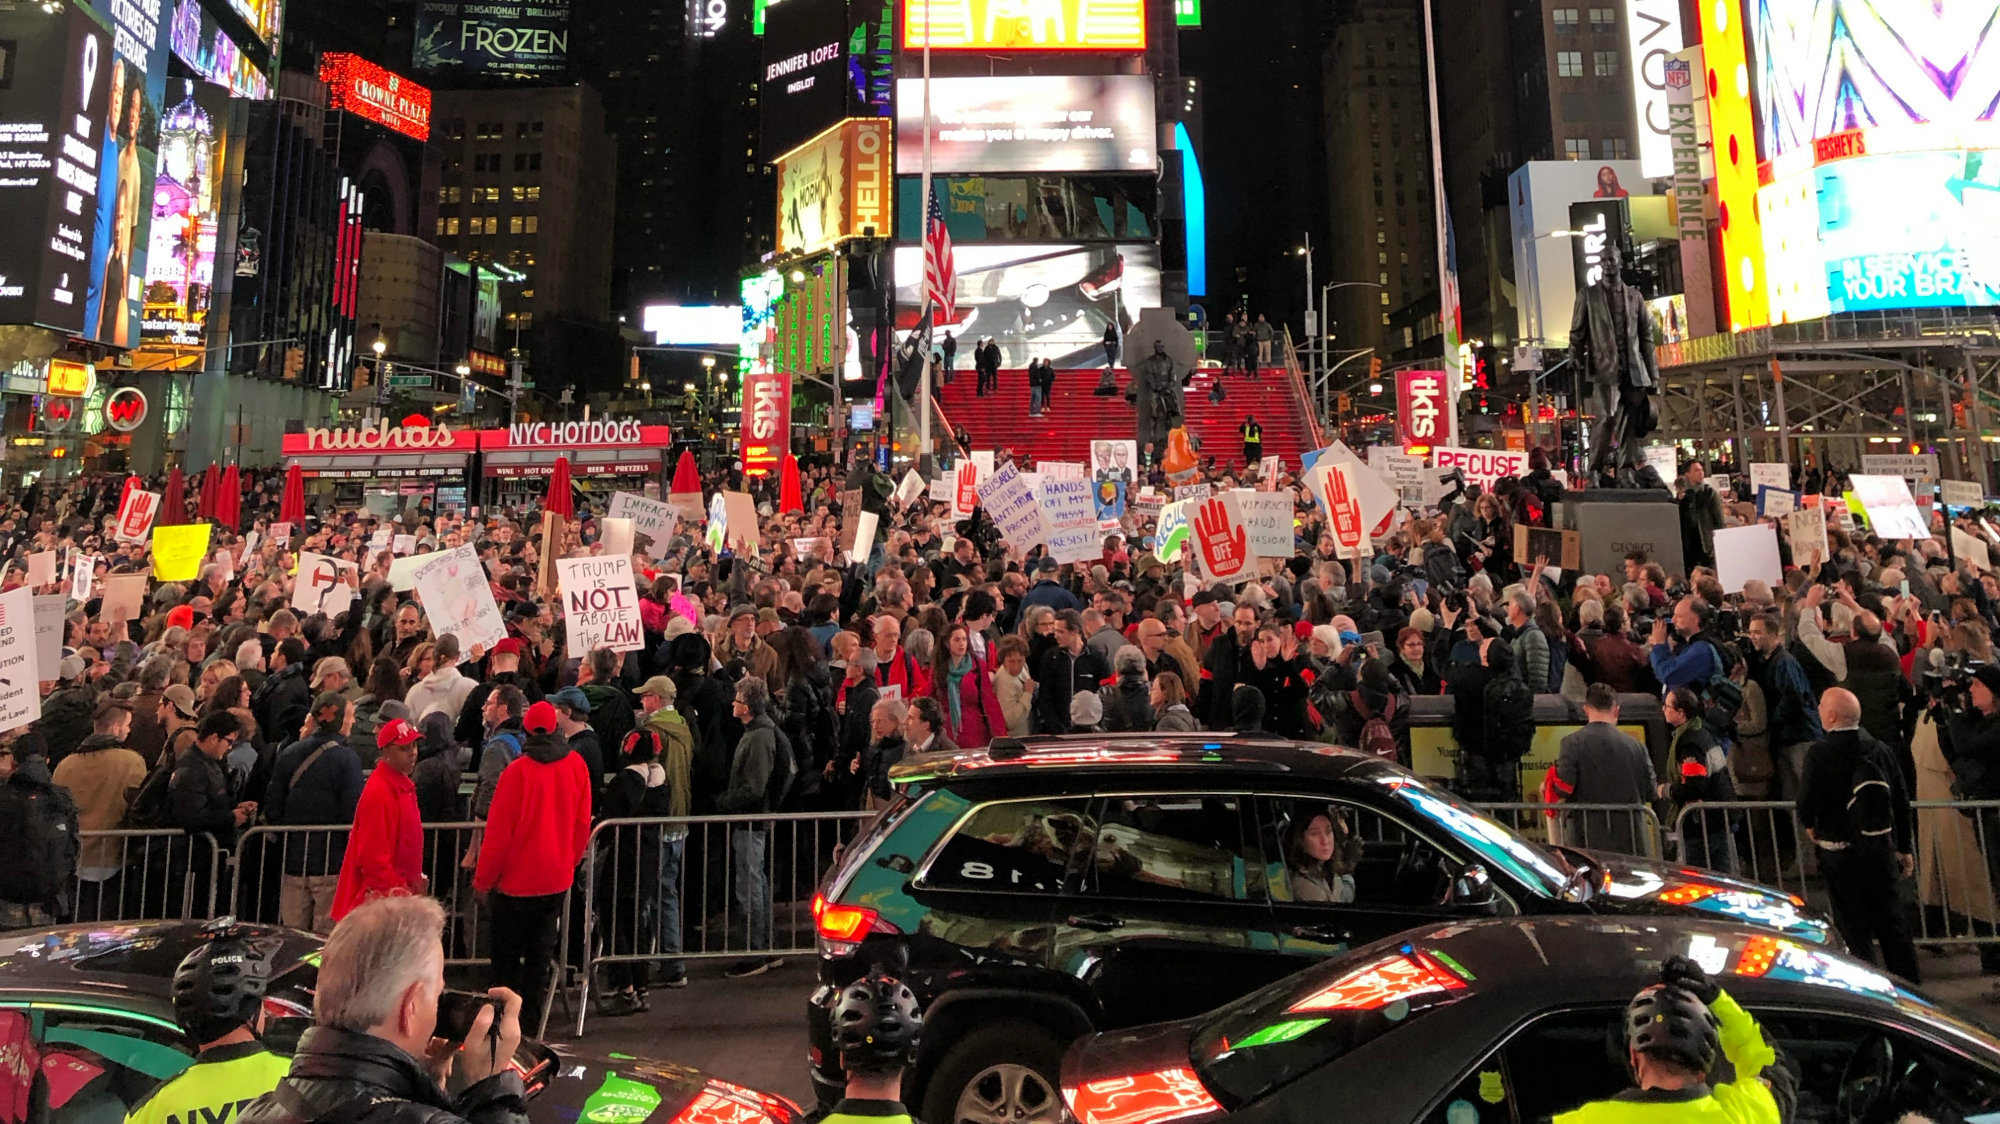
point(843, 926)
point(1174, 1093)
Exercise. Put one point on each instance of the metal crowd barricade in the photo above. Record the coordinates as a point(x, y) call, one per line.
point(150, 874)
point(664, 891)
point(1756, 840)
point(1632, 829)
point(1958, 885)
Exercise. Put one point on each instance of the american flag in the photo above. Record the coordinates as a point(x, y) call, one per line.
point(940, 273)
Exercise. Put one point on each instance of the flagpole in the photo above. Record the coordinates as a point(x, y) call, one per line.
point(924, 228)
point(1448, 311)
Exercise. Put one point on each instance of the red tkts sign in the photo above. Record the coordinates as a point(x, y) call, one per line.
point(767, 422)
point(1423, 408)
point(382, 96)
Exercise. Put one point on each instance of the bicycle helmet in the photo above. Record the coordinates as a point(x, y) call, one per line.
point(1670, 1024)
point(220, 986)
point(876, 1024)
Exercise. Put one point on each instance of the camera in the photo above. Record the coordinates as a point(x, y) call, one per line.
point(1947, 683)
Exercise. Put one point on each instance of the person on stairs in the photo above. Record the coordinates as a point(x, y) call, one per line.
point(1253, 442)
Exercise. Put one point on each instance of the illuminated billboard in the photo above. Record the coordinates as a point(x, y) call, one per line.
point(208, 50)
point(1050, 301)
point(806, 84)
point(518, 39)
point(187, 200)
point(1653, 33)
point(1911, 230)
point(117, 273)
point(368, 91)
point(1009, 25)
point(1030, 123)
point(834, 187)
point(1727, 75)
point(685, 325)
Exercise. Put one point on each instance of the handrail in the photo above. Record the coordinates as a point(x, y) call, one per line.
point(1303, 393)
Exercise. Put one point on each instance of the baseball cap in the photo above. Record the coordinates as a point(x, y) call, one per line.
point(540, 718)
point(573, 698)
point(1048, 565)
point(1202, 597)
point(326, 699)
point(71, 667)
point(511, 646)
point(182, 699)
point(769, 616)
point(180, 616)
point(395, 732)
point(331, 665)
point(661, 686)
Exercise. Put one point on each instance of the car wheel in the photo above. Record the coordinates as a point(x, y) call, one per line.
point(1002, 1074)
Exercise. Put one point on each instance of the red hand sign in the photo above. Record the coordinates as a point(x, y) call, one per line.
point(1223, 546)
point(1345, 508)
point(968, 488)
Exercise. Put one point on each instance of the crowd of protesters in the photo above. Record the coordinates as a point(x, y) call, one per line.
point(793, 679)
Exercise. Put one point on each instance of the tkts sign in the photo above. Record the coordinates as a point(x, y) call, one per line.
point(1422, 405)
point(767, 422)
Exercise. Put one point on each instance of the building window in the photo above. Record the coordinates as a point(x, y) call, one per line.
point(1613, 148)
point(1385, 298)
point(527, 161)
point(514, 224)
point(491, 130)
point(1406, 257)
point(1604, 63)
point(448, 225)
point(534, 193)
point(1601, 19)
point(1381, 257)
point(1576, 149)
point(534, 223)
point(1569, 64)
point(1385, 320)
point(1381, 237)
point(1382, 277)
point(1565, 19)
point(486, 195)
point(448, 194)
point(525, 129)
point(454, 129)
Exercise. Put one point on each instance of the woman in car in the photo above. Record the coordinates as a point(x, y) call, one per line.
point(1321, 854)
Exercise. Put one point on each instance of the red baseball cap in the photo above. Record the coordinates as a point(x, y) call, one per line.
point(511, 646)
point(180, 616)
point(395, 732)
point(540, 718)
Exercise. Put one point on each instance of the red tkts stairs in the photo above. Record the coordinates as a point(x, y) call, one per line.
point(1075, 416)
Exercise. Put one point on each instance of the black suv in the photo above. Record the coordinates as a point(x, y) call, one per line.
point(1034, 892)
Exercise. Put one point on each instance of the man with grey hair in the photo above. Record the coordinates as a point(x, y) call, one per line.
point(250, 662)
point(1531, 647)
point(373, 1054)
point(750, 792)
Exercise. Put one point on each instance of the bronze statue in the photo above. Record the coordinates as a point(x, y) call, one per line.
point(1611, 343)
point(1155, 394)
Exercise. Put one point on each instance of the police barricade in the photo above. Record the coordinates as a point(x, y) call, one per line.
point(1756, 840)
point(150, 874)
point(1958, 869)
point(665, 891)
point(1627, 829)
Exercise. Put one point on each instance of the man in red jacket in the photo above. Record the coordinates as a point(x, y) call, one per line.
point(385, 851)
point(536, 830)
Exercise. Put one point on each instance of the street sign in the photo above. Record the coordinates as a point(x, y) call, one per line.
point(413, 381)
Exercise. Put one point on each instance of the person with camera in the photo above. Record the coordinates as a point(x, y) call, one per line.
point(218, 998)
point(876, 1028)
point(376, 1053)
point(1970, 720)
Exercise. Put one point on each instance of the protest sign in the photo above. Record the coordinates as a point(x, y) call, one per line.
point(1912, 467)
point(741, 534)
point(1970, 550)
point(1960, 493)
point(850, 518)
point(1807, 526)
point(135, 516)
point(50, 610)
point(864, 538)
point(42, 568)
point(1890, 509)
point(718, 522)
point(653, 522)
point(1061, 470)
point(82, 570)
point(1482, 466)
point(281, 533)
point(1746, 553)
point(820, 547)
point(404, 544)
point(911, 487)
point(403, 572)
point(1266, 518)
point(963, 487)
point(1404, 473)
point(124, 596)
point(1777, 475)
point(614, 536)
point(1562, 548)
point(1069, 519)
point(1342, 500)
point(600, 605)
point(1775, 503)
point(178, 551)
point(1377, 498)
point(686, 505)
point(1268, 470)
point(944, 489)
point(1015, 507)
point(20, 693)
point(1191, 491)
point(453, 588)
point(1664, 460)
point(1221, 543)
point(321, 585)
point(1171, 535)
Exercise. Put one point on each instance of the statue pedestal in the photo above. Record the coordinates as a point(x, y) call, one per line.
point(1616, 521)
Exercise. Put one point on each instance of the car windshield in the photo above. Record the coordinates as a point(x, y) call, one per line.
point(1269, 1038)
point(1532, 865)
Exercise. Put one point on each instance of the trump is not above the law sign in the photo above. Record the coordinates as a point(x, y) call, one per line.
point(600, 605)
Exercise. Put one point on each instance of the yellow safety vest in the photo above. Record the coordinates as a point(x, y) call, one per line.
point(215, 1088)
point(851, 1111)
point(1747, 1100)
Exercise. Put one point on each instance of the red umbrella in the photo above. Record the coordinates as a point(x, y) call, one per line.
point(229, 500)
point(293, 508)
point(789, 499)
point(559, 500)
point(173, 505)
point(686, 478)
point(211, 477)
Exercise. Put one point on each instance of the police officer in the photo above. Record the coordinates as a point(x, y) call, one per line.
point(875, 1028)
point(1672, 1032)
point(218, 997)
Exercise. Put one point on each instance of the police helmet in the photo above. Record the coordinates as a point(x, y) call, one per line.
point(219, 987)
point(876, 1024)
point(1669, 1023)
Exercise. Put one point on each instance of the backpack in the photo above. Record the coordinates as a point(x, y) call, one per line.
point(1377, 739)
point(38, 831)
point(151, 804)
point(784, 773)
point(1510, 719)
point(1871, 808)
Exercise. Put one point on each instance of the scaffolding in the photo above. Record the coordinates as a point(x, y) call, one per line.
point(1838, 388)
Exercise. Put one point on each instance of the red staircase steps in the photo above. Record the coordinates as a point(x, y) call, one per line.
point(1075, 416)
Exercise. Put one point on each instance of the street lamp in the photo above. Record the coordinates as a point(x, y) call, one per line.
point(463, 370)
point(647, 386)
point(380, 345)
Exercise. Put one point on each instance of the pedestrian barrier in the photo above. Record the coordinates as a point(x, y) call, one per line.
point(153, 874)
point(287, 874)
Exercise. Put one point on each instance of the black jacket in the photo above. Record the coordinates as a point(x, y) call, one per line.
point(852, 732)
point(325, 793)
point(280, 704)
point(340, 1077)
point(1059, 677)
point(876, 760)
point(1225, 666)
point(1833, 765)
point(199, 798)
point(66, 719)
point(1972, 745)
point(471, 728)
point(1128, 704)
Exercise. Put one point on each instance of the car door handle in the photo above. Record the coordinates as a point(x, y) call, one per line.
point(1101, 922)
point(1325, 934)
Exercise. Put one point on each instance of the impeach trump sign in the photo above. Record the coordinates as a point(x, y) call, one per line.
point(600, 604)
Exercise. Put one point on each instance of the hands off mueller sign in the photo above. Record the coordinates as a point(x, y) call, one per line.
point(1423, 409)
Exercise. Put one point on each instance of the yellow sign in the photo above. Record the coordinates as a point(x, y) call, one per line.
point(1006, 25)
point(71, 379)
point(178, 551)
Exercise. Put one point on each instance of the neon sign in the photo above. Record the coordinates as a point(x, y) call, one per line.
point(382, 96)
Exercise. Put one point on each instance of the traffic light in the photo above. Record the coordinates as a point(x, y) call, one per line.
point(295, 363)
point(633, 374)
point(361, 376)
point(1374, 366)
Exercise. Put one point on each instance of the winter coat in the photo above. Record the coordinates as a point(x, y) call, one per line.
point(1060, 678)
point(638, 791)
point(980, 717)
point(1176, 718)
point(281, 704)
point(854, 734)
point(500, 748)
point(66, 719)
point(1128, 705)
point(439, 768)
point(876, 761)
point(471, 725)
point(748, 791)
point(1016, 696)
point(326, 792)
point(101, 774)
point(343, 1077)
point(199, 799)
point(444, 689)
point(385, 852)
point(611, 713)
point(538, 823)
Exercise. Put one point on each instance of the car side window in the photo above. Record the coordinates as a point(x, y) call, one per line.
point(98, 1065)
point(1174, 846)
point(1566, 1059)
point(1881, 1072)
point(1481, 1098)
point(1015, 846)
point(1335, 852)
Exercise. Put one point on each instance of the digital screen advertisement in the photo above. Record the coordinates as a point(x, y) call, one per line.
point(390, 100)
point(1040, 301)
point(1032, 123)
point(187, 202)
point(1032, 208)
point(805, 72)
point(835, 187)
point(524, 38)
point(129, 154)
point(1911, 230)
point(52, 116)
point(1008, 25)
point(200, 42)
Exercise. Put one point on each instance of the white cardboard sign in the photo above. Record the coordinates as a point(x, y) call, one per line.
point(600, 605)
point(1743, 553)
